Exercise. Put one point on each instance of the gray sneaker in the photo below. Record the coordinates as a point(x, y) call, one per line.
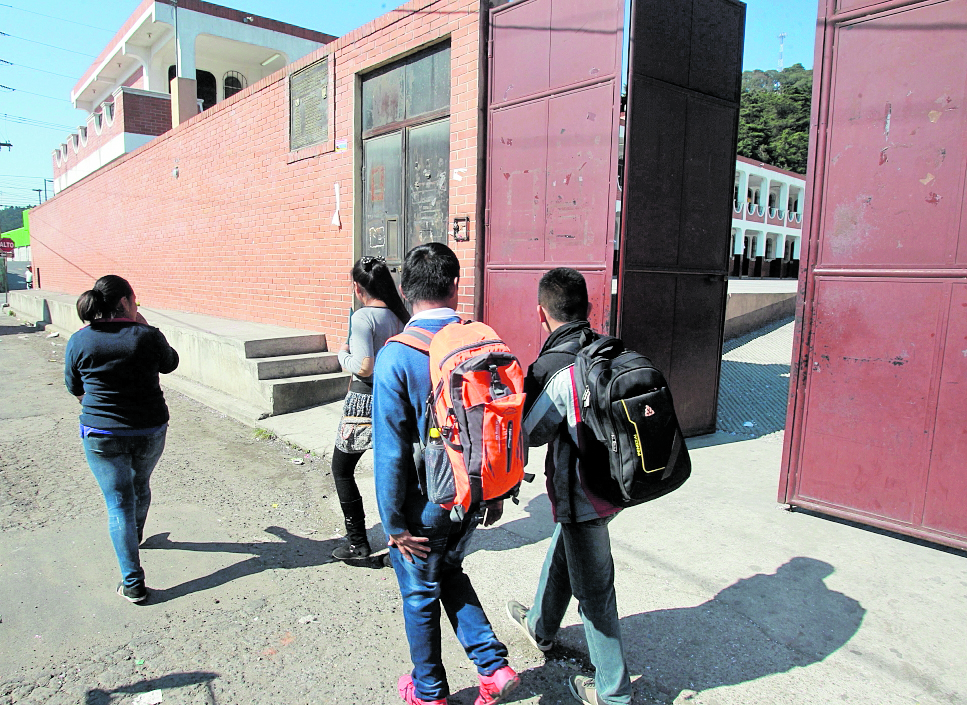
point(518, 615)
point(139, 593)
point(583, 690)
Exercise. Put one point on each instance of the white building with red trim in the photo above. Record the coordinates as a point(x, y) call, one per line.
point(767, 210)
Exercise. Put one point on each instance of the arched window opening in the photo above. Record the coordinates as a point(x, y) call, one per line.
point(233, 82)
point(769, 248)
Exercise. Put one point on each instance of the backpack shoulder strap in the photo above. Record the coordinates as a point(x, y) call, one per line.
point(575, 345)
point(416, 338)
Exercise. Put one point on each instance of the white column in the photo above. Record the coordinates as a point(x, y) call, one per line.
point(743, 188)
point(760, 245)
point(738, 244)
point(185, 52)
point(783, 202)
point(795, 248)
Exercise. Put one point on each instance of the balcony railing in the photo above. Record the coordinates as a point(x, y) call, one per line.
point(756, 213)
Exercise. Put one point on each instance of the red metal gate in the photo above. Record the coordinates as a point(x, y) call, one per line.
point(877, 422)
point(552, 157)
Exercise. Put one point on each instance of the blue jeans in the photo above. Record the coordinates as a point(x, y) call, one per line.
point(122, 466)
point(439, 579)
point(579, 563)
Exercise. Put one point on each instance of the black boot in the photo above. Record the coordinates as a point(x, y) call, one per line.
point(357, 545)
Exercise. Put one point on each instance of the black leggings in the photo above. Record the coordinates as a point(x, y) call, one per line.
point(343, 473)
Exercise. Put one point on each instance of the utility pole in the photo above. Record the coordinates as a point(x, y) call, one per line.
point(45, 187)
point(39, 191)
point(177, 61)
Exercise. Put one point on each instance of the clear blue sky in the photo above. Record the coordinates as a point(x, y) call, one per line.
point(74, 46)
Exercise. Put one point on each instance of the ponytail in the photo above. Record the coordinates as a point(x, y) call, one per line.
point(372, 274)
point(89, 305)
point(104, 299)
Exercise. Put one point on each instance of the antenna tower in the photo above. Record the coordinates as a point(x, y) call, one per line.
point(782, 41)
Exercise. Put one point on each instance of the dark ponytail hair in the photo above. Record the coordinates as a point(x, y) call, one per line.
point(372, 274)
point(104, 299)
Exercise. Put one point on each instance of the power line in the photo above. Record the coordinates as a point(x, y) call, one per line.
point(41, 14)
point(21, 66)
point(39, 95)
point(19, 176)
point(7, 184)
point(52, 46)
point(17, 119)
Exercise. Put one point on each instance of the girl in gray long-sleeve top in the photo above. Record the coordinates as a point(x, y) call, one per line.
point(382, 316)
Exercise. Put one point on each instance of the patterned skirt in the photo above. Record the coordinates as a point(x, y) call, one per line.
point(355, 433)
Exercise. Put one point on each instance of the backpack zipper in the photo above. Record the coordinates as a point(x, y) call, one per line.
point(464, 348)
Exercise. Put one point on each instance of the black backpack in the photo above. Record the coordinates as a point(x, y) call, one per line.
point(625, 403)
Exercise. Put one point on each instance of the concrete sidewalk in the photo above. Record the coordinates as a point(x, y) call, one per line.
point(725, 597)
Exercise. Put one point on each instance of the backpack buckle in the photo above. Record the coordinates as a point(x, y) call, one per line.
point(497, 387)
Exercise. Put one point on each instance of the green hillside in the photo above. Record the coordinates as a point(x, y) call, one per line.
point(774, 116)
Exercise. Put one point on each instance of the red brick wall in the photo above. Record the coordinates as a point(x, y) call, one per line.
point(144, 114)
point(240, 232)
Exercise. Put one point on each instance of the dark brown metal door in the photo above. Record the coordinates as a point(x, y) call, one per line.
point(406, 154)
point(427, 183)
point(383, 197)
point(552, 157)
point(683, 100)
point(876, 428)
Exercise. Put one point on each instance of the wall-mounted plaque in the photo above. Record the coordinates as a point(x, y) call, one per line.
point(309, 105)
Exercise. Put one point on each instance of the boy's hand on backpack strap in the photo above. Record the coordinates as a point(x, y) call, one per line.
point(410, 545)
point(493, 512)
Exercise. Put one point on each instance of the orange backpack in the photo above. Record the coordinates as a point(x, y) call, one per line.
point(475, 448)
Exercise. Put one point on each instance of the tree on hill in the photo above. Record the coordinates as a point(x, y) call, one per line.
point(10, 218)
point(774, 116)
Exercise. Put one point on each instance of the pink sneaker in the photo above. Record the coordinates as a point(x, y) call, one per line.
point(408, 693)
point(496, 687)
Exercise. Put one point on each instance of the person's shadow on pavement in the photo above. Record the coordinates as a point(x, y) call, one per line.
point(202, 679)
point(292, 552)
point(758, 626)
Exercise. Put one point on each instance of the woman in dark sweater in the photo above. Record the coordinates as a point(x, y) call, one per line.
point(112, 367)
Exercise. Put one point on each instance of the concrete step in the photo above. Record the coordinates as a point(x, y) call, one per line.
point(296, 365)
point(285, 345)
point(249, 414)
point(295, 393)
